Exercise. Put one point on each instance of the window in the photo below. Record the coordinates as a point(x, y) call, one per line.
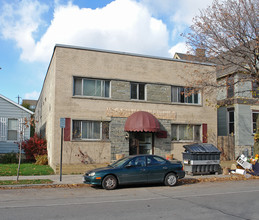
point(90, 130)
point(12, 129)
point(184, 132)
point(137, 162)
point(91, 87)
point(255, 117)
point(154, 160)
point(231, 121)
point(185, 95)
point(137, 91)
point(230, 87)
point(255, 90)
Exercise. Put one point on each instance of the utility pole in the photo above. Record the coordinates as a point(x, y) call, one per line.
point(19, 97)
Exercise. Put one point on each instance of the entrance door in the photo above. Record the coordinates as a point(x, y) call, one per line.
point(140, 143)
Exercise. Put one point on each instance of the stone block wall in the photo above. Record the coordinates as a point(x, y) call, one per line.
point(119, 144)
point(120, 90)
point(158, 93)
point(162, 146)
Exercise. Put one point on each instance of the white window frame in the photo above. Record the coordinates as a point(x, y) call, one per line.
point(186, 97)
point(103, 82)
point(8, 129)
point(135, 83)
point(193, 135)
point(92, 132)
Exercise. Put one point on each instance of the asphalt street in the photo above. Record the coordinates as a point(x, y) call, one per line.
point(218, 200)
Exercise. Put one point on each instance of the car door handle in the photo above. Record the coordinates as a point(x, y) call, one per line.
point(143, 169)
point(165, 168)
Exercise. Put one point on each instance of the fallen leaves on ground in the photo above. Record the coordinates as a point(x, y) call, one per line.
point(185, 181)
point(45, 186)
point(234, 177)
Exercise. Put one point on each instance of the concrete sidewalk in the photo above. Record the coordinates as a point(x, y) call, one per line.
point(66, 179)
point(78, 179)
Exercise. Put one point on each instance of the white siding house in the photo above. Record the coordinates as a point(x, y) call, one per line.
point(12, 116)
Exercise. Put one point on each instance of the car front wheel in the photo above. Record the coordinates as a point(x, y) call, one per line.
point(170, 179)
point(109, 182)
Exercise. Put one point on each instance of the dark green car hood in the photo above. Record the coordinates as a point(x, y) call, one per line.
point(101, 169)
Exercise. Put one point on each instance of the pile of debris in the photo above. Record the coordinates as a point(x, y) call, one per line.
point(246, 166)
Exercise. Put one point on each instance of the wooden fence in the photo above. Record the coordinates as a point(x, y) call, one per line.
point(226, 144)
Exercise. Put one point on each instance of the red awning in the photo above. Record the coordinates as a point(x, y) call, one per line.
point(142, 121)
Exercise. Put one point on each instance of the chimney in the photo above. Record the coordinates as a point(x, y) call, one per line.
point(200, 52)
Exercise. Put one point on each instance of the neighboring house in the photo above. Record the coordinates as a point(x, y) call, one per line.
point(30, 103)
point(12, 116)
point(198, 57)
point(238, 108)
point(121, 103)
point(238, 102)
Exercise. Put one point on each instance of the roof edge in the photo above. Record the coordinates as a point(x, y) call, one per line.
point(131, 54)
point(17, 105)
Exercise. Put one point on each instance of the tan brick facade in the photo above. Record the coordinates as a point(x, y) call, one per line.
point(57, 100)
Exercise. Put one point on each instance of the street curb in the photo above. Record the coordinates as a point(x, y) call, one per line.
point(185, 181)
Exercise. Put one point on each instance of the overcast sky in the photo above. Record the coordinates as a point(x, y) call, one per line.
point(29, 30)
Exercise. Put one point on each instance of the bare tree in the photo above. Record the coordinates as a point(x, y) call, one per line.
point(24, 125)
point(229, 32)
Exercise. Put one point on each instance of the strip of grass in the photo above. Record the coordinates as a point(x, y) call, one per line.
point(26, 169)
point(25, 182)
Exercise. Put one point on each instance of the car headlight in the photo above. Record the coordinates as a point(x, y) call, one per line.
point(91, 174)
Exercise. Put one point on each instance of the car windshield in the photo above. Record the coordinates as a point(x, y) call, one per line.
point(120, 162)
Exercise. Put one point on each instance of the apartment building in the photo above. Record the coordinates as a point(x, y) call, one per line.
point(122, 103)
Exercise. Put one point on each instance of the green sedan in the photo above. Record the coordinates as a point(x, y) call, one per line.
point(135, 170)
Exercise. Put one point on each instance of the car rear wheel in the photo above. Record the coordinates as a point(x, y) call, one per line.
point(170, 179)
point(109, 182)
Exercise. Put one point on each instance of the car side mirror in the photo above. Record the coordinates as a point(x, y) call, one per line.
point(128, 166)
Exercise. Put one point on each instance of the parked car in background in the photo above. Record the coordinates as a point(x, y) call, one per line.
point(136, 169)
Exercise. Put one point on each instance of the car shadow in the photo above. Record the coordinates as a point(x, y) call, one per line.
point(181, 182)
